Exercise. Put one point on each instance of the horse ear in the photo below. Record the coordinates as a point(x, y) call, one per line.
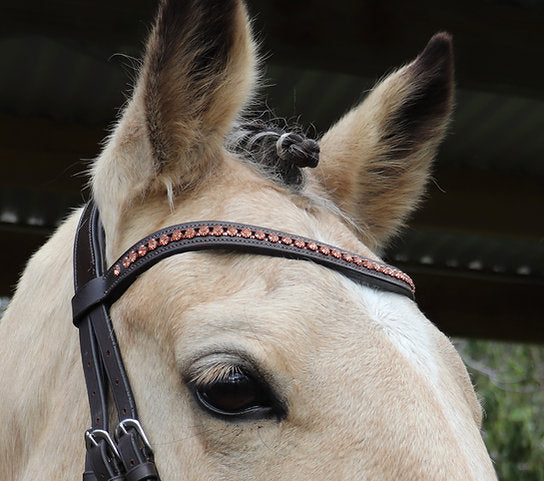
point(376, 160)
point(197, 73)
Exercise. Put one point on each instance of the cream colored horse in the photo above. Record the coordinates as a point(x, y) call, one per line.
point(361, 384)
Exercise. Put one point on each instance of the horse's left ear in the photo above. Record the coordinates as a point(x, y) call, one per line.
point(197, 74)
point(376, 160)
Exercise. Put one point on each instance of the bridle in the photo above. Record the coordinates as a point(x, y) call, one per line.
point(127, 455)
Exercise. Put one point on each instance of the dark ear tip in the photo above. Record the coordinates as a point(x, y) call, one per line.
point(441, 38)
point(438, 54)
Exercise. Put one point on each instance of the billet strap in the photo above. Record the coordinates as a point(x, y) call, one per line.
point(126, 456)
point(194, 236)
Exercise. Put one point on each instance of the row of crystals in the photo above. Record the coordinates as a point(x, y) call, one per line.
point(247, 233)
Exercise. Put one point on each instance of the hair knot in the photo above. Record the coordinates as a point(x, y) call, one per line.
point(298, 150)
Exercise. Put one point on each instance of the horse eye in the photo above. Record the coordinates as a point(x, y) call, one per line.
point(236, 394)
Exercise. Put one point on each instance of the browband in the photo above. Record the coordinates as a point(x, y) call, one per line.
point(194, 236)
point(128, 456)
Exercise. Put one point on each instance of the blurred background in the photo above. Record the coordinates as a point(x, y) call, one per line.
point(475, 249)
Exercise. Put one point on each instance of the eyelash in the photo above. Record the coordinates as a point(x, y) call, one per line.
point(215, 373)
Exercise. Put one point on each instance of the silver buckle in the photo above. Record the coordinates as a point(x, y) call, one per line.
point(91, 436)
point(122, 428)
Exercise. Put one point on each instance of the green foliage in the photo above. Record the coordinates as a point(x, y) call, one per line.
point(509, 379)
point(3, 305)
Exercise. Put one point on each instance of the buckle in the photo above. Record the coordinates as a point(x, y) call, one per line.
point(125, 424)
point(92, 436)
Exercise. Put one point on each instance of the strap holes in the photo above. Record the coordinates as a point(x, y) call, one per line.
point(116, 382)
point(108, 353)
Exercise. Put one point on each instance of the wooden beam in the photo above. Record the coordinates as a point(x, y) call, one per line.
point(20, 242)
point(484, 202)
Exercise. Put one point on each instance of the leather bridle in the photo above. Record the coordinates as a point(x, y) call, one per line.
point(127, 455)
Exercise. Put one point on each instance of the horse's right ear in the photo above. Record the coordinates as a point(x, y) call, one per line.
point(198, 71)
point(376, 160)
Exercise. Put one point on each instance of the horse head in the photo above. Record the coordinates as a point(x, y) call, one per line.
point(247, 366)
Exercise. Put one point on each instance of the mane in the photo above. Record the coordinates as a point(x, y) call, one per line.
point(280, 153)
point(255, 141)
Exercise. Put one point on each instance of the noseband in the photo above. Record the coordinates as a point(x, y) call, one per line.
point(127, 455)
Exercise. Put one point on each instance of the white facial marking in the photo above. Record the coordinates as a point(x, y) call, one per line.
point(412, 334)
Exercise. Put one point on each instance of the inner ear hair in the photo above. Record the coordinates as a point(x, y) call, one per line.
point(420, 116)
point(376, 160)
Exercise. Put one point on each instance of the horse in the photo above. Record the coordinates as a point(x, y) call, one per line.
point(246, 365)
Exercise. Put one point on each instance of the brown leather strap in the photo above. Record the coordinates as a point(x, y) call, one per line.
point(88, 267)
point(233, 236)
point(84, 271)
point(102, 361)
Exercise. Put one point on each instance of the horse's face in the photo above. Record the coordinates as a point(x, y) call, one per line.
point(250, 367)
point(346, 382)
point(343, 382)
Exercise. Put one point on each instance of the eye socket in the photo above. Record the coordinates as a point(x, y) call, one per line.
point(229, 391)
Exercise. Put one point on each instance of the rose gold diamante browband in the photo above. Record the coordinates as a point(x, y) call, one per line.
point(206, 235)
point(264, 236)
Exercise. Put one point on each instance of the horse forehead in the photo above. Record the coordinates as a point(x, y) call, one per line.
point(280, 300)
point(277, 306)
point(425, 349)
point(288, 313)
point(403, 324)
